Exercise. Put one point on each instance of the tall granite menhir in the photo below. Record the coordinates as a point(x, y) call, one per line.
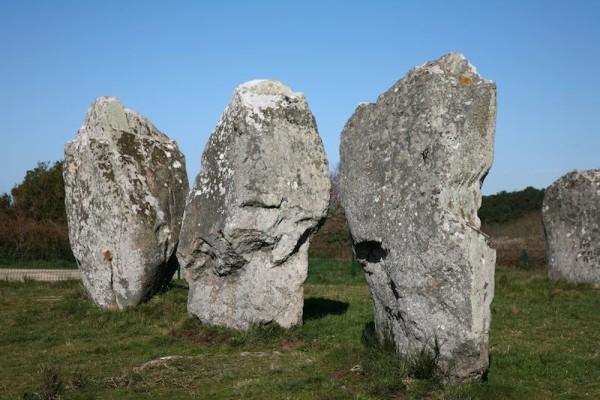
point(411, 169)
point(125, 189)
point(262, 191)
point(571, 215)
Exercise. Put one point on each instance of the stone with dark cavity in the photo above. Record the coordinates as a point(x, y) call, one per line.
point(411, 169)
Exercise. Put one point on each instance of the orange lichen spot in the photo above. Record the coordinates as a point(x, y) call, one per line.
point(466, 80)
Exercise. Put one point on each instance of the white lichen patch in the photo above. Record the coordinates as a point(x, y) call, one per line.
point(435, 69)
point(259, 95)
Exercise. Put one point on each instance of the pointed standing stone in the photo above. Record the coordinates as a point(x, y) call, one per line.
point(262, 190)
point(125, 188)
point(571, 214)
point(411, 169)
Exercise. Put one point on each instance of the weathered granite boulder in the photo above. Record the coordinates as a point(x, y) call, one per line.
point(411, 169)
point(571, 215)
point(262, 191)
point(125, 190)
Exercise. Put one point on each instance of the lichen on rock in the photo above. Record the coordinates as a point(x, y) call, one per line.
point(571, 215)
point(411, 169)
point(125, 188)
point(261, 193)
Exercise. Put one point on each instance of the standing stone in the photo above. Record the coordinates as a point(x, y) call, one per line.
point(411, 169)
point(571, 214)
point(262, 191)
point(125, 188)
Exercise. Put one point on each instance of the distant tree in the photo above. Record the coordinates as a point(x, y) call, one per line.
point(41, 195)
point(33, 222)
point(5, 205)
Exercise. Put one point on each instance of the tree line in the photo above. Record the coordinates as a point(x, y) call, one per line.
point(508, 206)
point(33, 224)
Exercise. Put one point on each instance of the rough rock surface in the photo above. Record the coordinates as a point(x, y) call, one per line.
point(411, 169)
point(262, 190)
point(571, 214)
point(125, 190)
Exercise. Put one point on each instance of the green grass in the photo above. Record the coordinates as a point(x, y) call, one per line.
point(544, 344)
point(329, 271)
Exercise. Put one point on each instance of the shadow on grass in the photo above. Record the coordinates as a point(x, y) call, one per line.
point(318, 307)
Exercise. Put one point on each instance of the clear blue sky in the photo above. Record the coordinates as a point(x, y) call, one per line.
point(178, 62)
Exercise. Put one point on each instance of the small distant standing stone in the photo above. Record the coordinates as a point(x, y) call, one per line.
point(571, 215)
point(125, 190)
point(411, 169)
point(262, 191)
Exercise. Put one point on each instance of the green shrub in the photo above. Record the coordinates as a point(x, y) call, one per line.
point(52, 383)
point(524, 260)
point(424, 364)
point(24, 239)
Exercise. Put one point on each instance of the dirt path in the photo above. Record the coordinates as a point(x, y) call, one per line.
point(47, 275)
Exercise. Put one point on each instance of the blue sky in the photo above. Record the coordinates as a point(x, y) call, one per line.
point(178, 62)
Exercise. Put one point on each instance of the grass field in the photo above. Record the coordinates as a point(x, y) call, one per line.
point(545, 344)
point(519, 242)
